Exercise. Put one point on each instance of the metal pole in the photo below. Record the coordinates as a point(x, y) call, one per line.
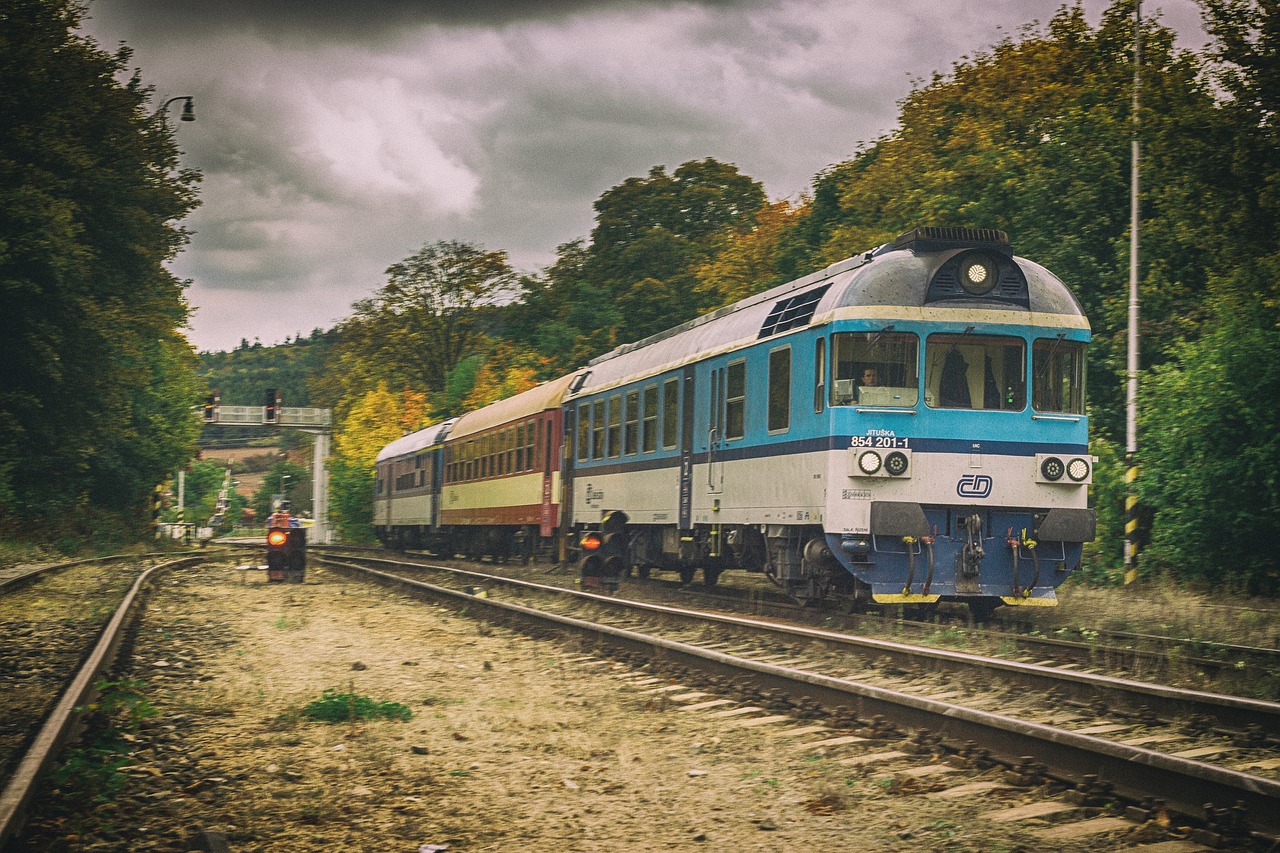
point(1131, 532)
point(321, 534)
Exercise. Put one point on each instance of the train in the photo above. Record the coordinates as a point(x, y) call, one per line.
point(906, 426)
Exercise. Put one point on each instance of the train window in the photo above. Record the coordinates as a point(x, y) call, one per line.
point(735, 406)
point(649, 437)
point(584, 432)
point(511, 450)
point(779, 407)
point(631, 433)
point(968, 371)
point(520, 466)
point(1058, 376)
point(670, 414)
point(875, 369)
point(597, 429)
point(819, 375)
point(615, 425)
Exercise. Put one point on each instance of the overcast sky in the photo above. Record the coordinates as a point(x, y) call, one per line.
point(337, 138)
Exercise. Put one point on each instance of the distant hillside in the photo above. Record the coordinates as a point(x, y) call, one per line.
point(243, 375)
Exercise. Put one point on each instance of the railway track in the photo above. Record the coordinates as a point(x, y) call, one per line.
point(1141, 742)
point(64, 624)
point(1202, 664)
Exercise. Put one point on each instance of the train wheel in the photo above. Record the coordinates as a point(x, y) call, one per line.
point(687, 573)
point(710, 576)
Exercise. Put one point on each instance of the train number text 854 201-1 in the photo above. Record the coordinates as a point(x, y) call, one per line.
point(889, 442)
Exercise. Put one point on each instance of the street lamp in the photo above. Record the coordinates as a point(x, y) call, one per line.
point(188, 108)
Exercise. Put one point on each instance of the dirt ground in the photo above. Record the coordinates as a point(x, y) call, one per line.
point(515, 743)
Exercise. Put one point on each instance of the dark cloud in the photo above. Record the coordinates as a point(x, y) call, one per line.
point(338, 138)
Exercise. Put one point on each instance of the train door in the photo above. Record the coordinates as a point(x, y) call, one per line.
point(544, 444)
point(715, 434)
point(686, 450)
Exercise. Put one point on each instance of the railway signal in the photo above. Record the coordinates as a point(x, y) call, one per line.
point(211, 404)
point(271, 407)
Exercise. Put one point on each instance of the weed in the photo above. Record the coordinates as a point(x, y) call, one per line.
point(91, 770)
point(335, 707)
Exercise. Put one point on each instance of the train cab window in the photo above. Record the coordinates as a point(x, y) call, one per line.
point(631, 433)
point(735, 401)
point(1057, 371)
point(968, 371)
point(875, 369)
point(584, 432)
point(779, 407)
point(615, 426)
point(597, 429)
point(649, 425)
point(670, 414)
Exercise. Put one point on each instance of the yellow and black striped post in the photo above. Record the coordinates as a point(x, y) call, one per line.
point(157, 497)
point(1132, 522)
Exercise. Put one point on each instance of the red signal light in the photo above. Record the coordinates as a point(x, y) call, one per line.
point(590, 542)
point(277, 537)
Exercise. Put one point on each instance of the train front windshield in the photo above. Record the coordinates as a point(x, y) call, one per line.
point(875, 369)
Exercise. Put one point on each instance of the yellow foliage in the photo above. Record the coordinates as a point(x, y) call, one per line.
point(375, 419)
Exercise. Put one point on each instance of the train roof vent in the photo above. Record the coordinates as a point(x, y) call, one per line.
point(792, 312)
point(933, 237)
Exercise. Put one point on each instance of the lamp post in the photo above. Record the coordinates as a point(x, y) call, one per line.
point(188, 108)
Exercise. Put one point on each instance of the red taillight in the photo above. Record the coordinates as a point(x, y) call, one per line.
point(590, 542)
point(277, 537)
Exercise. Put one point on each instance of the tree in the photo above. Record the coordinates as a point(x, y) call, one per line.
point(427, 317)
point(96, 393)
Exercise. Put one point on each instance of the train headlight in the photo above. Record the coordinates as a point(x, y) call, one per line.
point(896, 463)
point(1078, 469)
point(869, 462)
point(277, 538)
point(978, 274)
point(1052, 468)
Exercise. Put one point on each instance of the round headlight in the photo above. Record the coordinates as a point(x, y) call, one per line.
point(896, 463)
point(869, 462)
point(978, 274)
point(1078, 469)
point(1052, 468)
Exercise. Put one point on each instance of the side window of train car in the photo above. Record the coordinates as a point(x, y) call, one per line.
point(819, 375)
point(735, 406)
point(1057, 376)
point(615, 426)
point(875, 369)
point(968, 371)
point(597, 429)
point(631, 432)
point(649, 426)
point(779, 403)
point(670, 414)
point(584, 432)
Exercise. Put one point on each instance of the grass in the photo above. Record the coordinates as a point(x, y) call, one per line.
point(335, 707)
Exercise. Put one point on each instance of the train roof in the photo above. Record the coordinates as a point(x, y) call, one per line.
point(548, 395)
point(895, 281)
point(415, 441)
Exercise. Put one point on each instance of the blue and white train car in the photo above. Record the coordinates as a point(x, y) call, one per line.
point(905, 426)
point(406, 506)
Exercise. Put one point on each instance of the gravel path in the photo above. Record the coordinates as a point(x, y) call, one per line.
point(514, 744)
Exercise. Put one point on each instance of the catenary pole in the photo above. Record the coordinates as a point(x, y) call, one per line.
point(1131, 532)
